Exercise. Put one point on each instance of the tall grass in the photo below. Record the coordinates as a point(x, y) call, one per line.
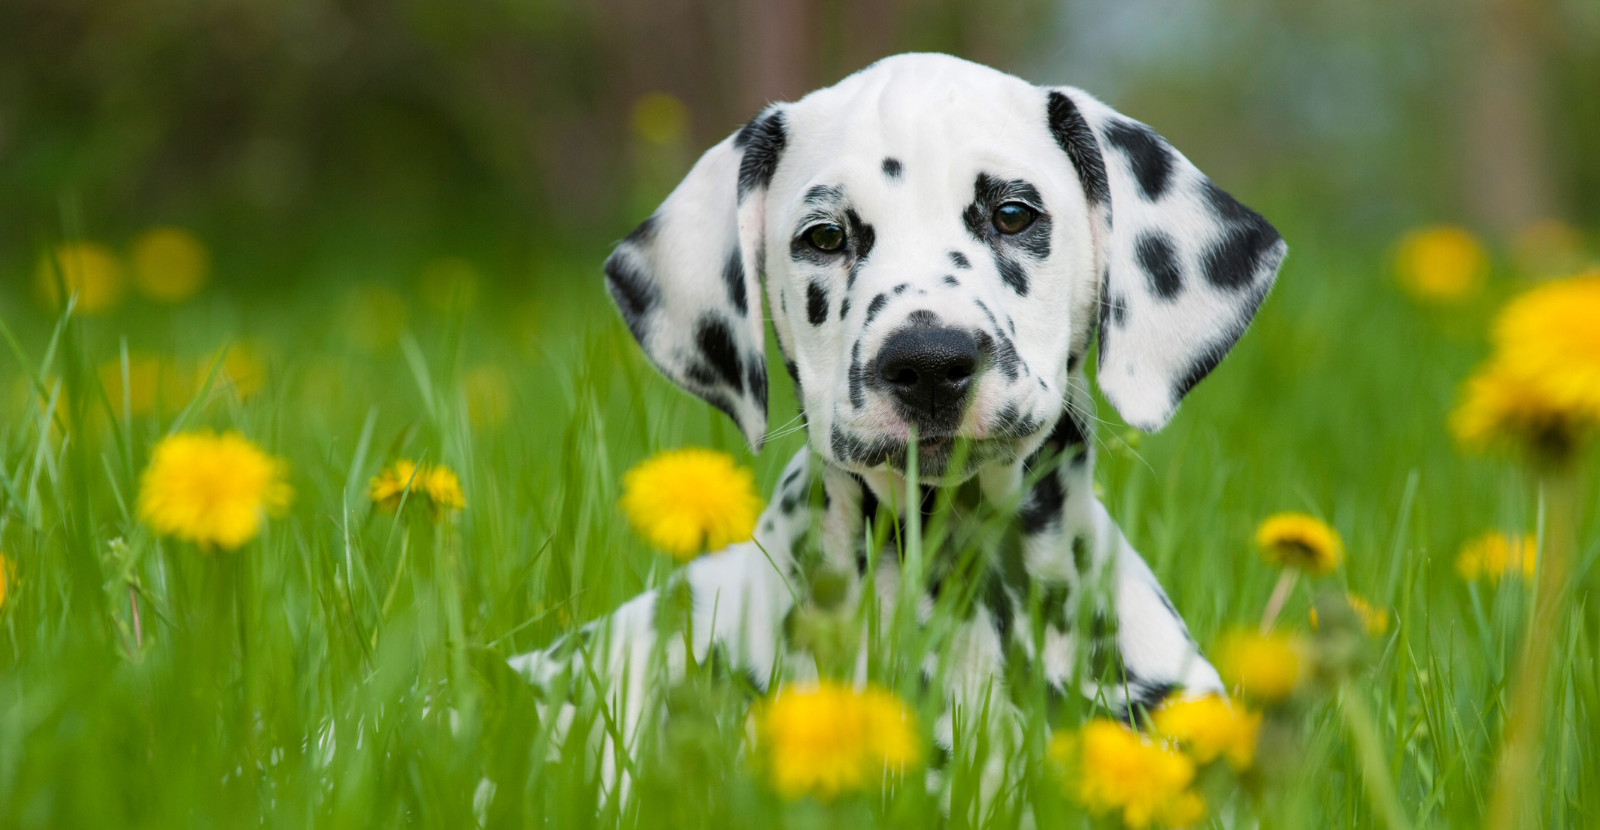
point(347, 668)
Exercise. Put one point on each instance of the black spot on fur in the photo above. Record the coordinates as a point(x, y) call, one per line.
point(1042, 509)
point(816, 303)
point(892, 168)
point(823, 194)
point(755, 376)
point(869, 499)
point(1234, 259)
point(952, 281)
point(876, 306)
point(862, 238)
point(635, 294)
point(645, 232)
point(1012, 274)
point(960, 259)
point(715, 341)
point(1159, 259)
point(762, 140)
point(857, 376)
point(1118, 305)
point(901, 288)
point(1073, 135)
point(844, 308)
point(733, 280)
point(1147, 155)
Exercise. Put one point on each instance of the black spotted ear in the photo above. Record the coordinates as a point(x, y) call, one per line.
point(1183, 265)
point(687, 279)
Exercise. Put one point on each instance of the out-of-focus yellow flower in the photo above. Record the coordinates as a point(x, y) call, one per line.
point(212, 490)
point(1441, 263)
point(660, 118)
point(487, 389)
point(5, 578)
point(1110, 769)
point(1546, 248)
point(1211, 726)
point(1494, 555)
point(689, 501)
point(1550, 338)
point(88, 269)
point(170, 265)
point(1262, 667)
point(1374, 620)
point(433, 484)
point(242, 372)
point(374, 317)
point(1500, 408)
point(448, 283)
point(1296, 540)
point(152, 380)
point(827, 739)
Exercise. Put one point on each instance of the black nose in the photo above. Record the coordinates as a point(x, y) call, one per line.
point(929, 370)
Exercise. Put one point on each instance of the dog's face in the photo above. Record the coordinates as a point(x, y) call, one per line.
point(936, 242)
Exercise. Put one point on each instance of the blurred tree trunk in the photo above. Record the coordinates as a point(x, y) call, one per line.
point(1507, 178)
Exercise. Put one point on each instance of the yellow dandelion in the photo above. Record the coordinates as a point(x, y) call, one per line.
point(1262, 667)
point(1296, 540)
point(1502, 409)
point(88, 269)
point(1211, 726)
point(1441, 264)
point(1495, 555)
point(487, 389)
point(1374, 621)
point(827, 739)
point(170, 265)
point(243, 372)
point(660, 118)
point(689, 501)
point(212, 490)
point(1550, 339)
point(152, 380)
point(432, 484)
point(1111, 769)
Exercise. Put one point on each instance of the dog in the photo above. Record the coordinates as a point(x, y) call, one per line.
point(936, 242)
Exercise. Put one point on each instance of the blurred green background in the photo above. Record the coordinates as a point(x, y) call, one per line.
point(310, 140)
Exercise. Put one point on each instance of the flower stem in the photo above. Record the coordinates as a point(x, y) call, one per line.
point(1519, 756)
point(1280, 595)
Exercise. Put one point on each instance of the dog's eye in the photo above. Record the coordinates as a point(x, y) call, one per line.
point(1013, 217)
point(826, 238)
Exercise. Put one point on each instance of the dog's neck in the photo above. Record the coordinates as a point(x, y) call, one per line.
point(1040, 494)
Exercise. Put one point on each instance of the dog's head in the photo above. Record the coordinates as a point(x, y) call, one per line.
point(936, 242)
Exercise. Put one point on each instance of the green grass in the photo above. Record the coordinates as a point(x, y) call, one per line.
point(345, 669)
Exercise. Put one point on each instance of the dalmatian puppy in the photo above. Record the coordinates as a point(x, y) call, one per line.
point(936, 242)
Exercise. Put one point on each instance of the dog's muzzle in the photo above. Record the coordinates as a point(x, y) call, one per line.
point(929, 371)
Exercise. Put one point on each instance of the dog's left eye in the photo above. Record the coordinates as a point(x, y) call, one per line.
point(827, 238)
point(1013, 217)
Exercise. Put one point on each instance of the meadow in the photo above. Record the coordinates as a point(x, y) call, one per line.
point(345, 668)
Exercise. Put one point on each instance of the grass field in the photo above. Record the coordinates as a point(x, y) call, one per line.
point(345, 668)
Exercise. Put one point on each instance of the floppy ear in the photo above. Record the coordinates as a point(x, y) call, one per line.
point(687, 279)
point(1183, 266)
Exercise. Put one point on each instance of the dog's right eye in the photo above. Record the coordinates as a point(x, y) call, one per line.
point(826, 238)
